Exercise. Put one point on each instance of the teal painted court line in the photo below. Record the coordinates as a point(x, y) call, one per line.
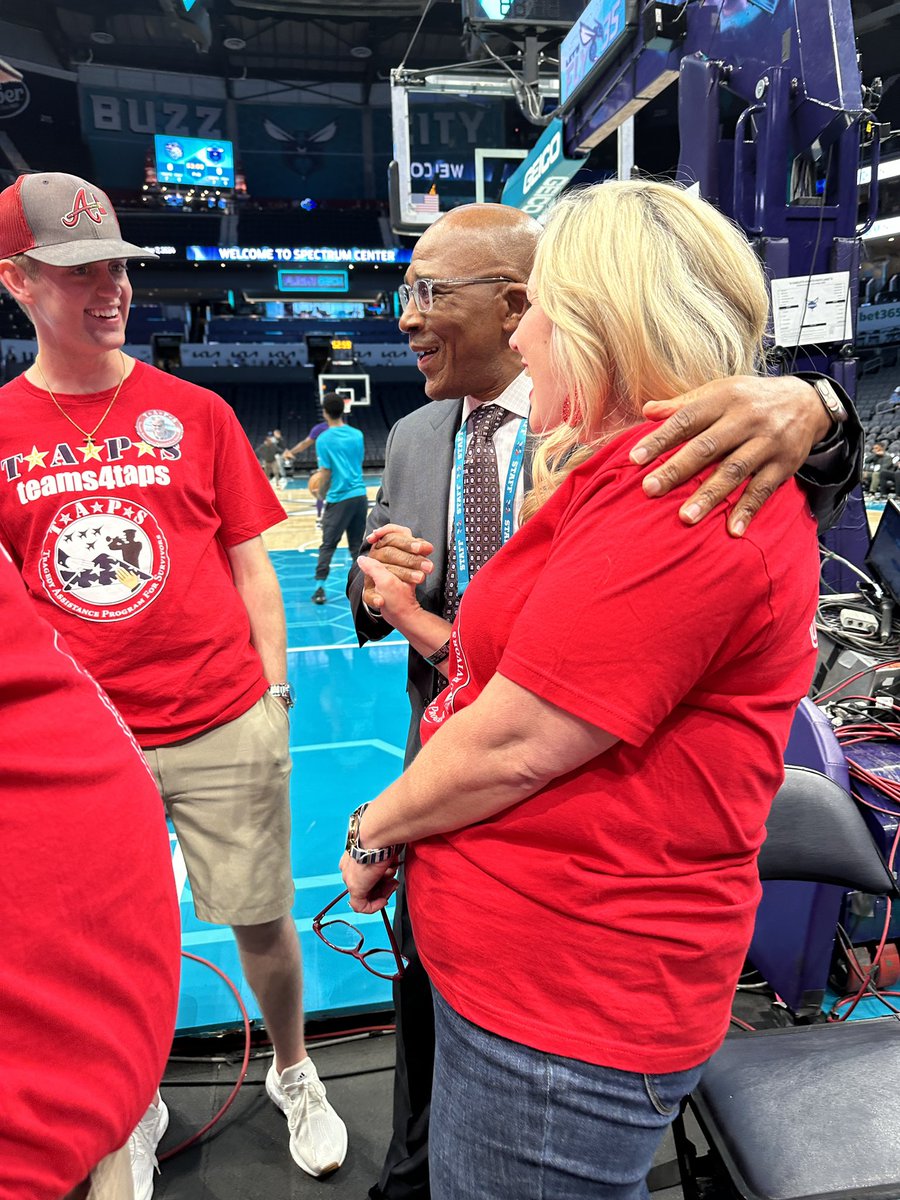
point(309, 881)
point(395, 640)
point(397, 751)
point(191, 940)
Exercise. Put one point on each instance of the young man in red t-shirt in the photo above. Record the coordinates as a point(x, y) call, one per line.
point(133, 505)
point(89, 984)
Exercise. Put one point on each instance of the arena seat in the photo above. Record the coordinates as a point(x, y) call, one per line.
point(780, 1107)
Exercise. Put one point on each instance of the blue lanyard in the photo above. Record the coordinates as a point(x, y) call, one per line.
point(509, 498)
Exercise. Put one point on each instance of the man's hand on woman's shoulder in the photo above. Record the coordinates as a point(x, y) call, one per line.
point(758, 429)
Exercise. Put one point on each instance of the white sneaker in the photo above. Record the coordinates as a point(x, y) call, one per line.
point(318, 1135)
point(142, 1148)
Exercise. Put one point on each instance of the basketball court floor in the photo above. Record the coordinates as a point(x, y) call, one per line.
point(348, 731)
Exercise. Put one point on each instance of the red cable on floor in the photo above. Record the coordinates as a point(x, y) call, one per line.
point(851, 736)
point(232, 1096)
point(243, 1072)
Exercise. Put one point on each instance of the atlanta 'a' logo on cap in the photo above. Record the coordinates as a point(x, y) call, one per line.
point(89, 207)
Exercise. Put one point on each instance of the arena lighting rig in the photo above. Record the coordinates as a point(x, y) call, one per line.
point(770, 110)
point(525, 72)
point(772, 115)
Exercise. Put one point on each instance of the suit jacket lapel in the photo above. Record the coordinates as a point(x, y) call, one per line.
point(437, 467)
point(445, 421)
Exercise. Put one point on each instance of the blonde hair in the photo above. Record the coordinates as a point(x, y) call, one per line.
point(651, 292)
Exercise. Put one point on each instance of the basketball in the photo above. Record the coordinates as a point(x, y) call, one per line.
point(314, 480)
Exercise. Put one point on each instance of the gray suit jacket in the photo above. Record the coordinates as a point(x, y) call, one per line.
point(415, 491)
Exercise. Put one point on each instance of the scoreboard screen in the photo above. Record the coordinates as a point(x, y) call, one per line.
point(194, 162)
point(341, 351)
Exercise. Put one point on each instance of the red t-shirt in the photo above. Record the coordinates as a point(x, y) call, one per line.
point(606, 917)
point(123, 545)
point(88, 913)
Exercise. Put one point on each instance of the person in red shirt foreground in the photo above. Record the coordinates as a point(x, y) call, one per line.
point(133, 505)
point(584, 819)
point(91, 935)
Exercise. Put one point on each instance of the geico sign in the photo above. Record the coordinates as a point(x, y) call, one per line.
point(545, 195)
point(540, 166)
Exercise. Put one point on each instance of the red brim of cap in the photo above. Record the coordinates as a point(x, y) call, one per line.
point(77, 254)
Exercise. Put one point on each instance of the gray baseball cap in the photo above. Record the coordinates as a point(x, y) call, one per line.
point(61, 220)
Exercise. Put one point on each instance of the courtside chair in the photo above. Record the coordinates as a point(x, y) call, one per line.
point(810, 1112)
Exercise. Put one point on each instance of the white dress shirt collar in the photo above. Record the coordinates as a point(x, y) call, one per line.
point(516, 398)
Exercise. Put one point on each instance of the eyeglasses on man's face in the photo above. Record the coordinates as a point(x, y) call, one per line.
point(340, 935)
point(422, 291)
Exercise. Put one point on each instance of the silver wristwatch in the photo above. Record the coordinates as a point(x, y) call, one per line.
point(283, 691)
point(359, 853)
point(830, 399)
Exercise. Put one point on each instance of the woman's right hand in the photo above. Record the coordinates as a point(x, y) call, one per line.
point(394, 547)
point(395, 599)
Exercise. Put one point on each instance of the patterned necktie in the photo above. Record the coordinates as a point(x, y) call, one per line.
point(482, 506)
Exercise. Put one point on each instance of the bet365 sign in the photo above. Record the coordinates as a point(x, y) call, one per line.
point(542, 175)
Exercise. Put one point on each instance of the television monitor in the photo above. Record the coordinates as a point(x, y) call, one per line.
point(594, 39)
point(883, 558)
point(194, 162)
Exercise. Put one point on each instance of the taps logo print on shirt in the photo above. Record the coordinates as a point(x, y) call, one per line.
point(104, 559)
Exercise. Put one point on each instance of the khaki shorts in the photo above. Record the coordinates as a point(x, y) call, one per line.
point(227, 793)
point(110, 1180)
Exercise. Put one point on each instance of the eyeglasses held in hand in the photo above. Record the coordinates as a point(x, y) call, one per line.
point(422, 291)
point(340, 935)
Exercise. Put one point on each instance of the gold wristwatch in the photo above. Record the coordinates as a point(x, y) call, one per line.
point(368, 858)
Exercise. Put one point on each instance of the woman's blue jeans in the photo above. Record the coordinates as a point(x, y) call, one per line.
point(511, 1123)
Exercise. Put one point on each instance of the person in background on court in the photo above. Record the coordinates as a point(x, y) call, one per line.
point(135, 516)
point(339, 450)
point(463, 299)
point(267, 453)
point(596, 776)
point(280, 451)
point(91, 930)
point(305, 444)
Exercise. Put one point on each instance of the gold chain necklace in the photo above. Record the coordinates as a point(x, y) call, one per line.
point(71, 420)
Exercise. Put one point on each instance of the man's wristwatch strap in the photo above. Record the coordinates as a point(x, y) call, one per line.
point(283, 691)
point(831, 401)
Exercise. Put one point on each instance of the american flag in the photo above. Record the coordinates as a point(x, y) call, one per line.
point(428, 202)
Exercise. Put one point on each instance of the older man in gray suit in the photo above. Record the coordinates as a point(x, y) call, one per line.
point(462, 300)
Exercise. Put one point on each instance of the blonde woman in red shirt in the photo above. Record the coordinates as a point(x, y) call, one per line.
point(583, 822)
